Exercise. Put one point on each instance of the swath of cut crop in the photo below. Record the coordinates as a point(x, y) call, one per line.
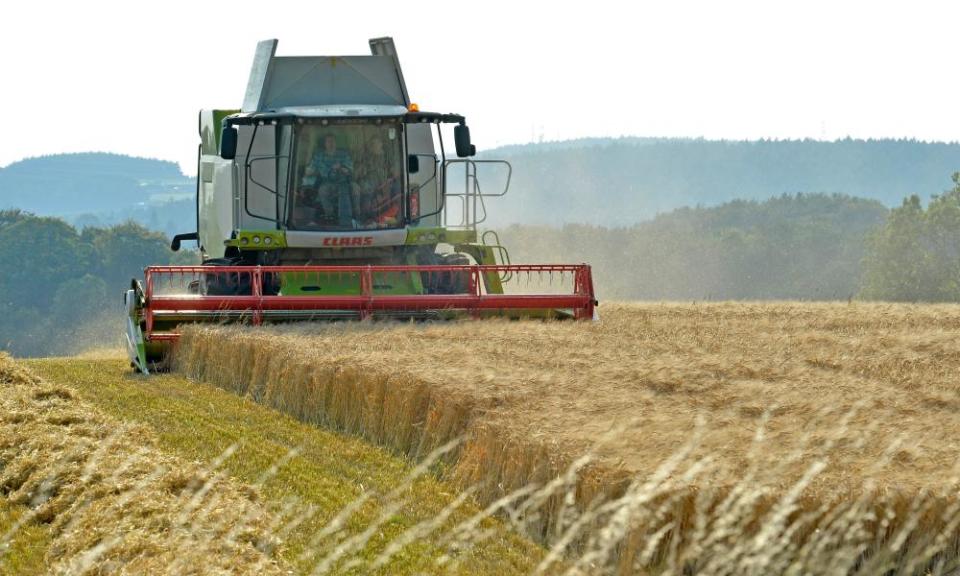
point(113, 502)
point(721, 438)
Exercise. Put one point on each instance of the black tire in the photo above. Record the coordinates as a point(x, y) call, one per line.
point(232, 284)
point(448, 282)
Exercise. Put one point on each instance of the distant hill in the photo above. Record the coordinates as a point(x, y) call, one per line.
point(90, 183)
point(596, 181)
point(617, 182)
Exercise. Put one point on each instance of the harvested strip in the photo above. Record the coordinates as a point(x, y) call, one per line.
point(335, 498)
point(113, 501)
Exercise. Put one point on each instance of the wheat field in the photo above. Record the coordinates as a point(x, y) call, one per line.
point(119, 473)
point(707, 438)
point(84, 493)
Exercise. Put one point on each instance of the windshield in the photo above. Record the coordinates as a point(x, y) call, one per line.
point(347, 177)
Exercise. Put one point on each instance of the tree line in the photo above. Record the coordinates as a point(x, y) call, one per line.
point(60, 289)
point(803, 246)
point(791, 247)
point(915, 255)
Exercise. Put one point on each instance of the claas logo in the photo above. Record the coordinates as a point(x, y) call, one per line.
point(349, 241)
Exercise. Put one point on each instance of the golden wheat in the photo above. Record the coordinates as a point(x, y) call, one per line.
point(758, 436)
point(113, 501)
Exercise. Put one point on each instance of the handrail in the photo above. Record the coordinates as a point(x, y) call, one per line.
point(473, 206)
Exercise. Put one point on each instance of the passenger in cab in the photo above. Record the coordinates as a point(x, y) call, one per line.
point(381, 191)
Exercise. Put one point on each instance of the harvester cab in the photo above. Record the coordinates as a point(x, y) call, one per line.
point(330, 195)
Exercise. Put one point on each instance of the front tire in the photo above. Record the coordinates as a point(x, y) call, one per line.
point(452, 282)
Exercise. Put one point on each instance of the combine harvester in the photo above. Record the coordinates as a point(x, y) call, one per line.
point(324, 197)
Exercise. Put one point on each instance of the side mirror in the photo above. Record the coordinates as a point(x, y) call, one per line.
point(461, 137)
point(228, 142)
point(413, 164)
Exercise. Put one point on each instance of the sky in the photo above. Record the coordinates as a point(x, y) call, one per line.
point(129, 77)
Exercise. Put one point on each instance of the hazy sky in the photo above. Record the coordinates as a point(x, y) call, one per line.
point(122, 77)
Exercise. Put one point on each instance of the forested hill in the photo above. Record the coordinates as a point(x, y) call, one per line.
point(617, 182)
point(73, 184)
point(603, 182)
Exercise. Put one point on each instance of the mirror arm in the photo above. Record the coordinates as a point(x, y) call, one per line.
point(175, 244)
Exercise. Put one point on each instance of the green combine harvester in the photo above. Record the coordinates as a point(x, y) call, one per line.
point(329, 195)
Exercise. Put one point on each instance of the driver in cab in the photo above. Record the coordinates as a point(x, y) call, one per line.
point(329, 173)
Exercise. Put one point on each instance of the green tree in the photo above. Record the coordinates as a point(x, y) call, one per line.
point(79, 299)
point(60, 289)
point(915, 256)
point(37, 255)
point(124, 250)
point(11, 216)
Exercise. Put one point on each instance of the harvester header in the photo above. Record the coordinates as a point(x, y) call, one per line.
point(329, 195)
